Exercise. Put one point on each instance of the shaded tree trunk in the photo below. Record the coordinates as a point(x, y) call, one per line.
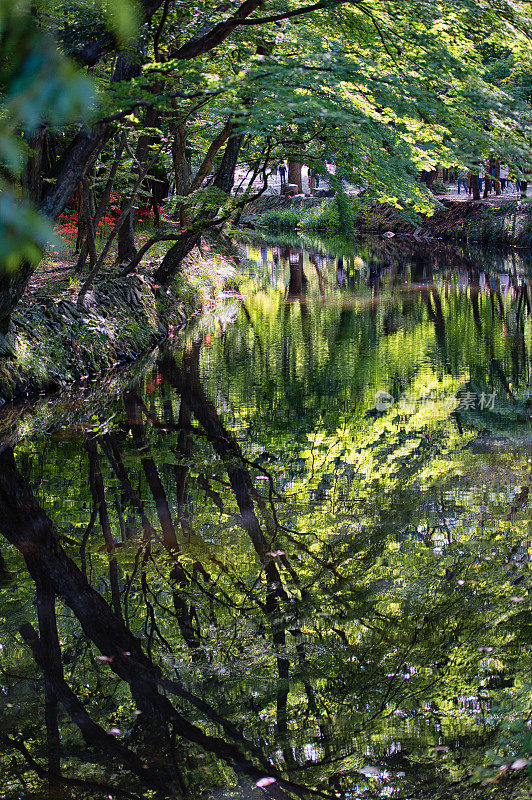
point(474, 186)
point(126, 236)
point(103, 203)
point(224, 180)
point(294, 175)
point(32, 178)
point(498, 176)
point(73, 166)
point(182, 175)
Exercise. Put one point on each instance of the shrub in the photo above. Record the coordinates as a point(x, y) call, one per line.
point(324, 217)
point(331, 216)
point(277, 220)
point(438, 187)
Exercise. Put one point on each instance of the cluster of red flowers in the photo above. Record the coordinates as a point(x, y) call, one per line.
point(106, 220)
point(112, 213)
point(143, 214)
point(67, 224)
point(152, 385)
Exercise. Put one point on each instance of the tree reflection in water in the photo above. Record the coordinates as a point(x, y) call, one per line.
point(242, 571)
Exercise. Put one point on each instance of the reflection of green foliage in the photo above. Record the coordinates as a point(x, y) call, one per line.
point(407, 615)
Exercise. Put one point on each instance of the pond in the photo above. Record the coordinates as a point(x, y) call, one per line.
point(287, 555)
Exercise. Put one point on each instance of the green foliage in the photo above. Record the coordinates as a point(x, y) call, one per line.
point(285, 220)
point(334, 215)
point(40, 86)
point(122, 18)
point(23, 232)
point(37, 85)
point(324, 217)
point(438, 187)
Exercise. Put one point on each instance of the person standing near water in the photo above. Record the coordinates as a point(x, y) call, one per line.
point(462, 180)
point(504, 172)
point(282, 174)
point(481, 177)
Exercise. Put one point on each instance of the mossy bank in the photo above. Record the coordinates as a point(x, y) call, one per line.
point(53, 342)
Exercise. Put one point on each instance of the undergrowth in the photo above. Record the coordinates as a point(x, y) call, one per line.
point(332, 216)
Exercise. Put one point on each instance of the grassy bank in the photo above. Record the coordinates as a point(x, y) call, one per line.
point(53, 343)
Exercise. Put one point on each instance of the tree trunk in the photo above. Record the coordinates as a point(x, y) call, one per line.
point(431, 177)
point(73, 166)
point(126, 236)
point(224, 180)
point(474, 186)
point(498, 176)
point(213, 149)
point(104, 202)
point(487, 183)
point(181, 171)
point(32, 178)
point(294, 175)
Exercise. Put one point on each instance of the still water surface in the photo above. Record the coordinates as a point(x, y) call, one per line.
point(293, 544)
